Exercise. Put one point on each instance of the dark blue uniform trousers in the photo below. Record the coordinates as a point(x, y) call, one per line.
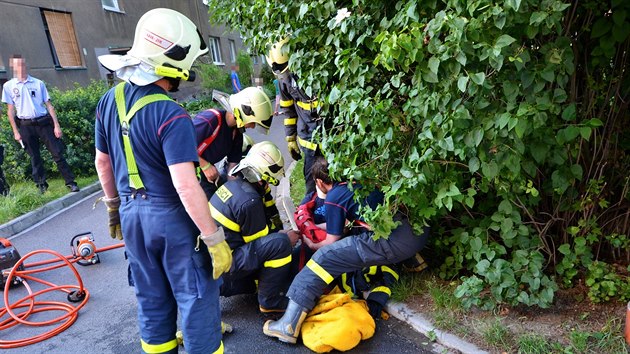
point(169, 275)
point(350, 254)
point(267, 259)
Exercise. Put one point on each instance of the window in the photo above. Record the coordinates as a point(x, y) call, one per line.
point(232, 51)
point(62, 39)
point(215, 50)
point(111, 5)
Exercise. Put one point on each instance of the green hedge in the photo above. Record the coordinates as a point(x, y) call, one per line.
point(75, 112)
point(504, 125)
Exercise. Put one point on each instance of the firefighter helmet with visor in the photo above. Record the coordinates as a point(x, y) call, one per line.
point(264, 162)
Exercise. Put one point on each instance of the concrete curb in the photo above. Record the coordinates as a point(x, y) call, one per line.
point(402, 312)
point(27, 220)
point(418, 322)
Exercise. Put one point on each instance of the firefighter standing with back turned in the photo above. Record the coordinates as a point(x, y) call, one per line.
point(145, 159)
point(299, 111)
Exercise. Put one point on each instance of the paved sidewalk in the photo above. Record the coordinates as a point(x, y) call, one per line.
point(445, 342)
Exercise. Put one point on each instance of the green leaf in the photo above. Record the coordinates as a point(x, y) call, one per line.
point(537, 17)
point(594, 123)
point(462, 82)
point(334, 95)
point(504, 41)
point(434, 64)
point(482, 267)
point(475, 244)
point(505, 207)
point(490, 169)
point(539, 151)
point(568, 113)
point(619, 16)
point(478, 78)
point(303, 10)
point(576, 171)
point(600, 27)
point(564, 249)
point(513, 4)
point(473, 164)
point(585, 132)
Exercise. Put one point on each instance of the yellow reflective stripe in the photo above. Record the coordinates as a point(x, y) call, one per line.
point(259, 234)
point(308, 105)
point(307, 144)
point(382, 289)
point(290, 121)
point(344, 284)
point(321, 272)
point(220, 350)
point(287, 103)
point(372, 270)
point(223, 220)
point(277, 263)
point(270, 203)
point(159, 348)
point(387, 269)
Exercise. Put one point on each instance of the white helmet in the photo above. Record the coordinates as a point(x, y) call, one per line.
point(278, 58)
point(251, 105)
point(248, 142)
point(166, 44)
point(264, 162)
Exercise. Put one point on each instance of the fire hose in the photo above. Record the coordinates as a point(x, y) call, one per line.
point(84, 252)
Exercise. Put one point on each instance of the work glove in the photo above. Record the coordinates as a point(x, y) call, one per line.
point(114, 216)
point(276, 222)
point(294, 148)
point(220, 252)
point(375, 309)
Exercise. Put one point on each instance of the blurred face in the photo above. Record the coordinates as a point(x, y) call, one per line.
point(19, 67)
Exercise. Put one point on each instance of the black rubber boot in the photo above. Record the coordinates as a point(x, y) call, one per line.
point(287, 328)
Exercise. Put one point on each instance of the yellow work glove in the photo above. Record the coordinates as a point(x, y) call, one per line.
point(294, 148)
point(114, 216)
point(220, 252)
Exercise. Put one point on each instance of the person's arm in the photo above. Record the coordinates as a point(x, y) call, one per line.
point(192, 196)
point(53, 115)
point(327, 241)
point(208, 169)
point(105, 174)
point(11, 115)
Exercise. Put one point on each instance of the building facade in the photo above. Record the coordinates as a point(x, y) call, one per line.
point(61, 39)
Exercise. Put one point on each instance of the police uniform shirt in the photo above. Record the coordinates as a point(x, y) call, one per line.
point(28, 97)
point(238, 206)
point(341, 206)
point(161, 134)
point(228, 141)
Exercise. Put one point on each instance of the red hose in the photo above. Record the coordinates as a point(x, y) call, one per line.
point(32, 306)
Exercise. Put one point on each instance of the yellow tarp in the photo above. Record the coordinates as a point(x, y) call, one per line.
point(337, 322)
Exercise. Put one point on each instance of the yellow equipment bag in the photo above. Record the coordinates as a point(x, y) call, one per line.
point(337, 323)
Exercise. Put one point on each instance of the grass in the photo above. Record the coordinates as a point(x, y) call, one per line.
point(25, 197)
point(297, 183)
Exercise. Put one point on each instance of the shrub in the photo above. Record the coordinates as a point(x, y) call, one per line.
point(503, 123)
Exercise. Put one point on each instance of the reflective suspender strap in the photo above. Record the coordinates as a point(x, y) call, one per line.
point(125, 117)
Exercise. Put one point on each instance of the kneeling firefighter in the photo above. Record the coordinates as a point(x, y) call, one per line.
point(145, 158)
point(259, 252)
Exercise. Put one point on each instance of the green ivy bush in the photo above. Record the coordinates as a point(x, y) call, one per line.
point(75, 111)
point(502, 124)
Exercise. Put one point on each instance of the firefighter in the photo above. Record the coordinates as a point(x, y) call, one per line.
point(145, 159)
point(259, 252)
point(299, 112)
point(219, 131)
point(337, 254)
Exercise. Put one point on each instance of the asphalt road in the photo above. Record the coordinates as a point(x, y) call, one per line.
point(107, 324)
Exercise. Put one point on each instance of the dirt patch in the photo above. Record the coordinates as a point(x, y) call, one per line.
point(571, 313)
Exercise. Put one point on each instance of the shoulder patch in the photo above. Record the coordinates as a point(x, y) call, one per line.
point(223, 193)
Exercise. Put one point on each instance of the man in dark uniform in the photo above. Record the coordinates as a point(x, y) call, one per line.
point(219, 132)
point(299, 112)
point(337, 254)
point(145, 159)
point(259, 251)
